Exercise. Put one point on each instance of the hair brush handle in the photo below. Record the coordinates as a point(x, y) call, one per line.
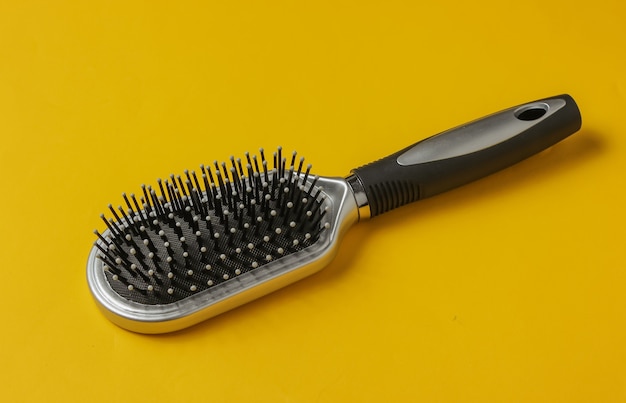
point(463, 154)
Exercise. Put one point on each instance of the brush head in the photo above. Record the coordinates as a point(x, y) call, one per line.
point(211, 238)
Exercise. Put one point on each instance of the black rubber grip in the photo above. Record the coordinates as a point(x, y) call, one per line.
point(468, 152)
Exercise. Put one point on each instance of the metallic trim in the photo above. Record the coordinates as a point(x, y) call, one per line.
point(359, 196)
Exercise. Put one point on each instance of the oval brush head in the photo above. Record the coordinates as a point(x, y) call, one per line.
point(196, 245)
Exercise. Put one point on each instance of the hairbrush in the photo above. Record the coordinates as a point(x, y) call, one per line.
point(198, 244)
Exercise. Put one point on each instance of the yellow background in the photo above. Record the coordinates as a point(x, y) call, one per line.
point(511, 289)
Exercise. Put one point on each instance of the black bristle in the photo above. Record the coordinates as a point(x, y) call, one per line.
point(169, 246)
point(182, 188)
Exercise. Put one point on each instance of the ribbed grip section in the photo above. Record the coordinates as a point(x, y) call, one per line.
point(389, 195)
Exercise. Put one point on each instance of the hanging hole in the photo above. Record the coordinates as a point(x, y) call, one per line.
point(531, 112)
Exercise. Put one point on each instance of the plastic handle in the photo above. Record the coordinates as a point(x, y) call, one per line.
point(466, 153)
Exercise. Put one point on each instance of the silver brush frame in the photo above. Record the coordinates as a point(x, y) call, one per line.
point(342, 213)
